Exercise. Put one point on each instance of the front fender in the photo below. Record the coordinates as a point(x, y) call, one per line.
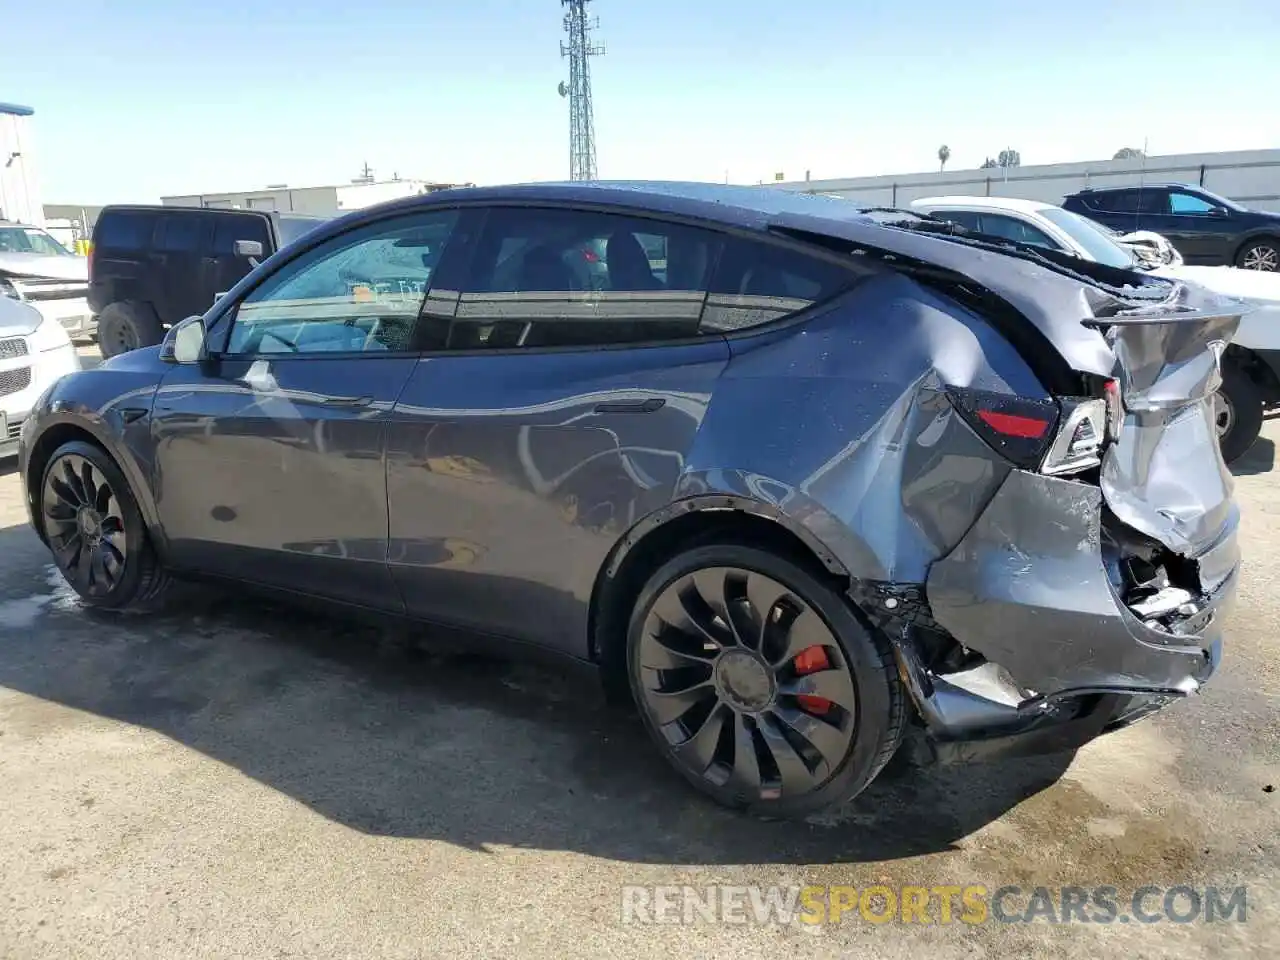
point(116, 417)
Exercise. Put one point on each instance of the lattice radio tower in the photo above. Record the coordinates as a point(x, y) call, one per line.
point(579, 50)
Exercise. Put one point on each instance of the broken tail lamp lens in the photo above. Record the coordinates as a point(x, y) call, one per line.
point(1018, 428)
point(1077, 446)
point(1056, 437)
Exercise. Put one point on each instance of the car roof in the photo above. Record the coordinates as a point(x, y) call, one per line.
point(1159, 184)
point(983, 203)
point(723, 203)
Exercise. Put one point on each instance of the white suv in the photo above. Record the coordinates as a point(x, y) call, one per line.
point(35, 351)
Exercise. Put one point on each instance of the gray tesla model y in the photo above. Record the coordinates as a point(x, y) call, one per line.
point(798, 474)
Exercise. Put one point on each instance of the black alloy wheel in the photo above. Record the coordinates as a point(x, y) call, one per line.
point(754, 696)
point(85, 525)
point(93, 526)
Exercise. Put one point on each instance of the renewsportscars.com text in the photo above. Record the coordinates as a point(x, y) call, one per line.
point(939, 904)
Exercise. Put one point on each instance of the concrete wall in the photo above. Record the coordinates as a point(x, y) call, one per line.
point(19, 185)
point(1251, 177)
point(357, 195)
point(85, 214)
point(321, 201)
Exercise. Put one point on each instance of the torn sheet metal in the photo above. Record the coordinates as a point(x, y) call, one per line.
point(1165, 476)
point(1028, 589)
point(875, 461)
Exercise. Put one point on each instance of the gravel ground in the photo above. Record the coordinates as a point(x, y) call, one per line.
point(233, 778)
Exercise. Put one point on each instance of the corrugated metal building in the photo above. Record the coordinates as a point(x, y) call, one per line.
point(19, 186)
point(1250, 177)
point(319, 201)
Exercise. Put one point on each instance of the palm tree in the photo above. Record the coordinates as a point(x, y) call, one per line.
point(944, 154)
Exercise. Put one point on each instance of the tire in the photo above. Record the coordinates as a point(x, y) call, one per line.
point(813, 736)
point(1239, 412)
point(127, 326)
point(1261, 253)
point(82, 477)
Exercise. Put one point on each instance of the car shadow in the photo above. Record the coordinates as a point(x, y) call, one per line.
point(1259, 458)
point(376, 730)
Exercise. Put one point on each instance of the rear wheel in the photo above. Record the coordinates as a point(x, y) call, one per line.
point(1260, 255)
point(1238, 410)
point(92, 523)
point(758, 682)
point(123, 327)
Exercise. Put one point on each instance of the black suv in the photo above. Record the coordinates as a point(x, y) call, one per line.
point(152, 266)
point(1206, 229)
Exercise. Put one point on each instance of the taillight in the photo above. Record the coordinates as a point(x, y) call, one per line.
point(1053, 436)
point(1018, 428)
point(1115, 408)
point(1077, 446)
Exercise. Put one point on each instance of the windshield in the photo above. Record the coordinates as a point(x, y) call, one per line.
point(30, 240)
point(1096, 242)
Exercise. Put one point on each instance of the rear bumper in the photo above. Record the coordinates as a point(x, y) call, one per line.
point(1062, 656)
point(1029, 588)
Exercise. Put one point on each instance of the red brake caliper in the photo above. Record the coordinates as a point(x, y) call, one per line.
point(811, 660)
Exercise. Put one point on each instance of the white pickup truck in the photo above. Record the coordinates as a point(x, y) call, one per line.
point(37, 269)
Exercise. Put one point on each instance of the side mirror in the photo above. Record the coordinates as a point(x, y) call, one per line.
point(248, 248)
point(1219, 212)
point(184, 343)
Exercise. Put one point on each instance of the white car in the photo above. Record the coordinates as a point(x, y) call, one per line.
point(1251, 365)
point(38, 269)
point(34, 352)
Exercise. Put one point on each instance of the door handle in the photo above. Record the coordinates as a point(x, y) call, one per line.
point(347, 401)
point(631, 406)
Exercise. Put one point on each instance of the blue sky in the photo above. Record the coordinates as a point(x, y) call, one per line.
point(139, 98)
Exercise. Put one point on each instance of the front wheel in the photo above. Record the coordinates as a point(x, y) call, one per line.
point(92, 523)
point(1260, 255)
point(1238, 409)
point(759, 684)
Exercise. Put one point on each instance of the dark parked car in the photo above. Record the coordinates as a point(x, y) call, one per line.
point(151, 266)
point(1205, 228)
point(825, 476)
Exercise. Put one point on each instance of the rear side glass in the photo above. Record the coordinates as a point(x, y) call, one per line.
point(181, 233)
point(124, 230)
point(961, 218)
point(1129, 201)
point(228, 229)
point(758, 283)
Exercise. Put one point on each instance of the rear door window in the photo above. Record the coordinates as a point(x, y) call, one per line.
point(181, 232)
point(1010, 228)
point(758, 283)
point(963, 218)
point(572, 278)
point(124, 230)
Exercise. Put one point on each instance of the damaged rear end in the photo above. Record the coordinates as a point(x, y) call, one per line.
point(1092, 587)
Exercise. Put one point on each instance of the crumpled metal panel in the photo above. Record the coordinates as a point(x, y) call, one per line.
point(874, 461)
point(1028, 589)
point(1165, 475)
